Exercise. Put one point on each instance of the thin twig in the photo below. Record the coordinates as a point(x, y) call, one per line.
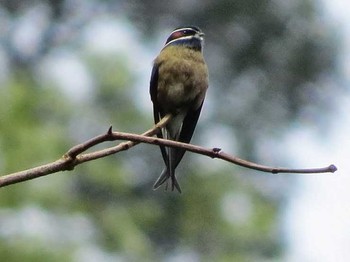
point(76, 155)
point(218, 153)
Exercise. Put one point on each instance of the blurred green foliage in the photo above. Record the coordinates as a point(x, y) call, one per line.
point(267, 60)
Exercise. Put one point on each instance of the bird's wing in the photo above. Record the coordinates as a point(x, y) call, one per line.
point(154, 83)
point(156, 110)
point(187, 130)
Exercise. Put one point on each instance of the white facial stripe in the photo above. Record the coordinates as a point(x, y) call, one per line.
point(184, 28)
point(183, 38)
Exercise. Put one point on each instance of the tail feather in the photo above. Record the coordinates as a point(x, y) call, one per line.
point(175, 184)
point(172, 166)
point(164, 177)
point(171, 156)
point(161, 179)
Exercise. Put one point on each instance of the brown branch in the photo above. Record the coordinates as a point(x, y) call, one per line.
point(76, 155)
point(217, 153)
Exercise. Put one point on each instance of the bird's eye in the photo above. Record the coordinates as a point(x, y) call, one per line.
point(177, 35)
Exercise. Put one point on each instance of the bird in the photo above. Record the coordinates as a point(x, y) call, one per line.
point(178, 85)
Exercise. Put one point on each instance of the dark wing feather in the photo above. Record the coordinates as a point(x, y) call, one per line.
point(153, 88)
point(187, 130)
point(156, 111)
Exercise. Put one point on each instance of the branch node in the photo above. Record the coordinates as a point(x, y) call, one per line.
point(109, 132)
point(216, 152)
point(332, 168)
point(274, 171)
point(125, 146)
point(69, 161)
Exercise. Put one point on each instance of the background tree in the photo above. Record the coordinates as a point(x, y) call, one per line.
point(269, 64)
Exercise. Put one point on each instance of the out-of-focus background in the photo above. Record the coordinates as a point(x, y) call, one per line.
point(279, 95)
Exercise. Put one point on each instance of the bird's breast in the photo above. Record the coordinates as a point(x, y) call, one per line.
point(182, 80)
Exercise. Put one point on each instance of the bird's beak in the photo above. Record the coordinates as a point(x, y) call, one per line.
point(201, 36)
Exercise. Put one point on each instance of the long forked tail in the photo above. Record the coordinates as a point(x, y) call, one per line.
point(171, 156)
point(164, 177)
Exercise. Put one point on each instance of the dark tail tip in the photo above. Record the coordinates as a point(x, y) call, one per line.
point(161, 179)
point(164, 176)
point(175, 184)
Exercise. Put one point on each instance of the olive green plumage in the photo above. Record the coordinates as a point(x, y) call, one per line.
point(182, 79)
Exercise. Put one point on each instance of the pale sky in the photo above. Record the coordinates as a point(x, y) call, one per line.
point(317, 219)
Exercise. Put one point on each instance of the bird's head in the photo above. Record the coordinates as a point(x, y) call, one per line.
point(188, 36)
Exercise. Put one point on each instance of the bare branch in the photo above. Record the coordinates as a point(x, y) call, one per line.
point(76, 155)
point(76, 152)
point(217, 153)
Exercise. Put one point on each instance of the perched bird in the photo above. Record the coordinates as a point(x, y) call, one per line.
point(178, 85)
